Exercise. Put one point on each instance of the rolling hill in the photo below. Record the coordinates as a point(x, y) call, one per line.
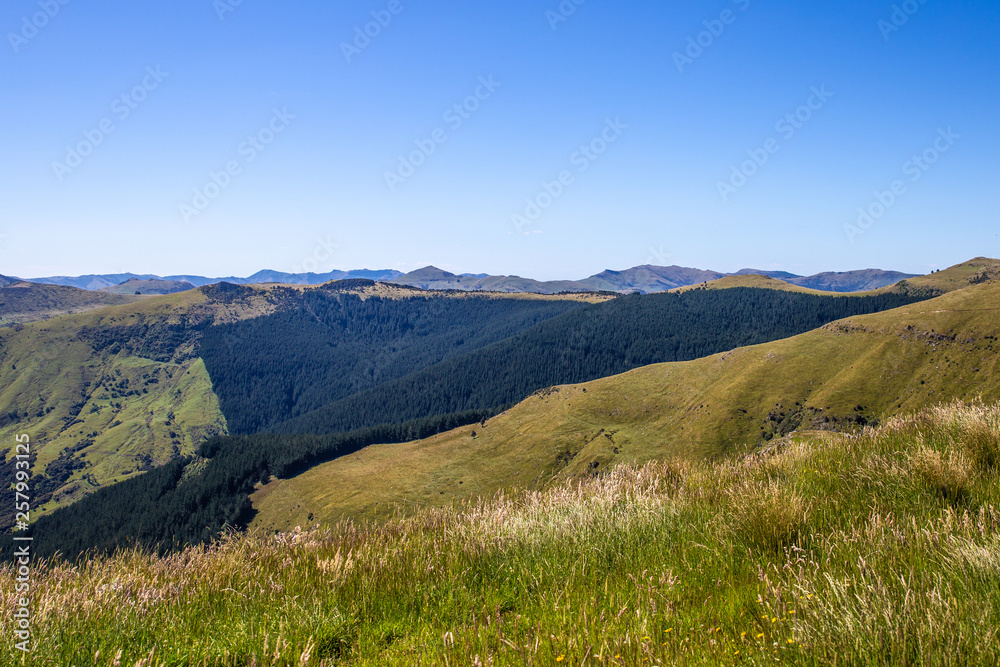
point(114, 392)
point(22, 302)
point(845, 374)
point(192, 499)
point(149, 287)
point(119, 390)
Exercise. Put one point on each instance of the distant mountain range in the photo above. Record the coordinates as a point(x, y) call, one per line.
point(644, 279)
point(101, 281)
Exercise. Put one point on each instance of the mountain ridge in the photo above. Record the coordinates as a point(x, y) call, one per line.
point(644, 278)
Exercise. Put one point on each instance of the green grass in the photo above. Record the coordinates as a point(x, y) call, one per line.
point(891, 362)
point(838, 550)
point(51, 378)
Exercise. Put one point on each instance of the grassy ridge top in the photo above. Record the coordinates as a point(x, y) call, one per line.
point(960, 276)
point(759, 281)
point(847, 373)
point(878, 549)
point(22, 302)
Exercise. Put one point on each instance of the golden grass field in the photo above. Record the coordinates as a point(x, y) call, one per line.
point(880, 548)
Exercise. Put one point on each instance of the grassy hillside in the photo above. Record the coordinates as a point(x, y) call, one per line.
point(22, 302)
point(107, 394)
point(845, 374)
point(753, 280)
point(973, 272)
point(879, 549)
point(113, 392)
point(97, 416)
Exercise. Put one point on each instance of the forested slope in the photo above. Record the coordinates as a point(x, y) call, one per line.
point(331, 345)
point(588, 343)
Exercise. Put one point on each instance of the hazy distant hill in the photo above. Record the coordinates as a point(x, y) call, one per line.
point(649, 279)
point(96, 282)
point(646, 279)
point(154, 286)
point(780, 275)
point(851, 281)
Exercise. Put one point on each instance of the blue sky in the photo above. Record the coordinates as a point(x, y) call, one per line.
point(260, 134)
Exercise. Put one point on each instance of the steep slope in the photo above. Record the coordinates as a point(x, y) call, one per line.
point(22, 301)
point(586, 344)
point(332, 345)
point(844, 374)
point(112, 392)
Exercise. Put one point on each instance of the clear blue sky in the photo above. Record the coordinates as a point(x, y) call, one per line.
point(652, 195)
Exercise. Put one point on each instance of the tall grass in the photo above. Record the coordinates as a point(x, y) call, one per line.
point(881, 548)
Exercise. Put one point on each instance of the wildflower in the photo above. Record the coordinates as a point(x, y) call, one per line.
point(560, 658)
point(760, 636)
point(743, 634)
point(791, 641)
